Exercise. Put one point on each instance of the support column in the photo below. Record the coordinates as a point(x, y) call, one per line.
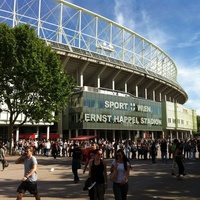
point(106, 135)
point(163, 135)
point(60, 131)
point(191, 136)
point(171, 136)
point(177, 135)
point(48, 129)
point(146, 92)
point(121, 135)
point(144, 135)
point(98, 82)
point(17, 135)
point(125, 87)
point(81, 80)
point(160, 95)
point(129, 135)
point(76, 132)
point(37, 132)
point(113, 84)
point(182, 135)
point(113, 133)
point(70, 133)
point(136, 91)
point(152, 135)
point(154, 95)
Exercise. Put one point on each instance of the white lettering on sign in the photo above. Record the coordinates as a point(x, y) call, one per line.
point(116, 105)
point(97, 118)
point(142, 108)
point(127, 106)
point(121, 119)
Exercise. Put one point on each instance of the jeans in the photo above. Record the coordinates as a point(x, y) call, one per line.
point(97, 192)
point(120, 191)
point(164, 156)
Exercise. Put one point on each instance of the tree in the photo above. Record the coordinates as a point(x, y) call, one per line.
point(32, 81)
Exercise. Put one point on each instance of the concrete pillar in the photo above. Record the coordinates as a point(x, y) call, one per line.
point(70, 133)
point(154, 95)
point(113, 84)
point(146, 93)
point(125, 87)
point(37, 132)
point(182, 135)
point(17, 135)
point(113, 133)
point(76, 132)
point(152, 135)
point(98, 82)
point(106, 135)
point(177, 135)
point(81, 80)
point(129, 134)
point(136, 91)
point(171, 135)
point(48, 129)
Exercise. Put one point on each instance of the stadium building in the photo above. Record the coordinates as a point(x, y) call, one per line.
point(127, 86)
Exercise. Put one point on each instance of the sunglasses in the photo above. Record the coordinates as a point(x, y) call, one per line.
point(119, 155)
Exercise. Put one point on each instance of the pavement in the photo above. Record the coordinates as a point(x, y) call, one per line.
point(147, 181)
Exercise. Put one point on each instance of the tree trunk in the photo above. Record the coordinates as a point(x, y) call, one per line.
point(10, 135)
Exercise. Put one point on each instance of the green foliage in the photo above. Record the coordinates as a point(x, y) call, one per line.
point(32, 81)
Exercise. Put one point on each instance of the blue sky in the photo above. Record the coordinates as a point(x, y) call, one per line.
point(173, 25)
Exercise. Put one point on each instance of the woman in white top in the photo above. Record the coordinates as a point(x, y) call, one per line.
point(120, 185)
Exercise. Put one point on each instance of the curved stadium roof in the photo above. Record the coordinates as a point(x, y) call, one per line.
point(87, 40)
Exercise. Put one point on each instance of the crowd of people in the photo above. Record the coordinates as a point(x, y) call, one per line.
point(140, 149)
point(122, 152)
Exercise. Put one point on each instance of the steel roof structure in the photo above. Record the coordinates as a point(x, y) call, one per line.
point(98, 52)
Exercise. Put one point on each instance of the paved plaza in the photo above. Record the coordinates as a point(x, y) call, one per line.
point(147, 181)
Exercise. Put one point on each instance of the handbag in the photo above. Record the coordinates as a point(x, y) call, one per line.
point(87, 184)
point(113, 175)
point(5, 163)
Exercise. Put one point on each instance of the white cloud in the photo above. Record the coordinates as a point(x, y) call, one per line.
point(140, 21)
point(188, 78)
point(143, 23)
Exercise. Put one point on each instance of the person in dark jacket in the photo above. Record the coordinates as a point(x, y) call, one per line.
point(76, 161)
point(179, 160)
point(153, 152)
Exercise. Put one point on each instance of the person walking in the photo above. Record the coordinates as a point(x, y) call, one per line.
point(29, 180)
point(173, 156)
point(163, 148)
point(98, 175)
point(90, 155)
point(153, 152)
point(76, 161)
point(122, 165)
point(179, 160)
point(2, 155)
point(54, 149)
